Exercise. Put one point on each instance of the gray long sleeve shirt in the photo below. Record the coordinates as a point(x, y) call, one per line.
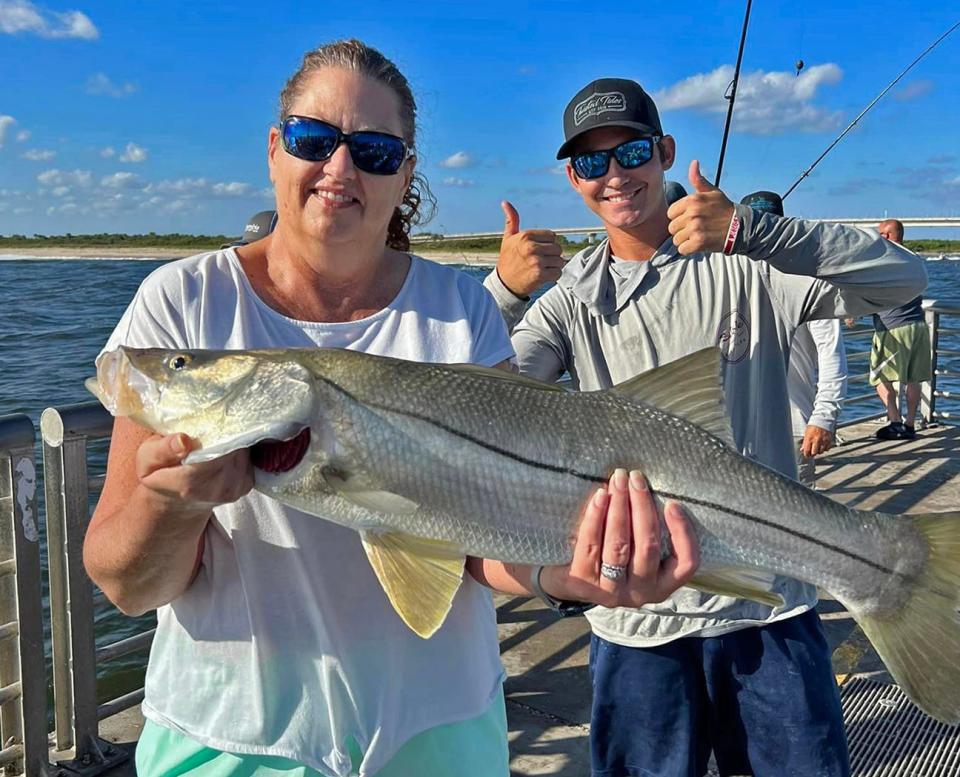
point(605, 325)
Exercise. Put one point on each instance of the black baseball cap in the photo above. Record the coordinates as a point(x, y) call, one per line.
point(765, 202)
point(608, 102)
point(260, 225)
point(673, 191)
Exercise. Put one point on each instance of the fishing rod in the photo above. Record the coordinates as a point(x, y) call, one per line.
point(863, 112)
point(733, 94)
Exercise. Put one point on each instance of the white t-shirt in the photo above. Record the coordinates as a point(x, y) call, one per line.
point(285, 644)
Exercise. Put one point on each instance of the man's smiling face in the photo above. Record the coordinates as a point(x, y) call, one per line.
point(623, 198)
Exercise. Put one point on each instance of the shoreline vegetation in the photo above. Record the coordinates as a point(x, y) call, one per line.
point(176, 245)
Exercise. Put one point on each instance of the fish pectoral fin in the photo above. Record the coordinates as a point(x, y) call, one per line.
point(419, 576)
point(689, 388)
point(742, 582)
point(360, 492)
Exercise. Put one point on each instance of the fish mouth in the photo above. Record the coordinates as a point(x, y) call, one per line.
point(276, 456)
point(278, 446)
point(121, 388)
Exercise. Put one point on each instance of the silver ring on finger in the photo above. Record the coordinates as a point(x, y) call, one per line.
point(613, 571)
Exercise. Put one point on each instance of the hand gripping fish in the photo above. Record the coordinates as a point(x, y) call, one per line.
point(430, 463)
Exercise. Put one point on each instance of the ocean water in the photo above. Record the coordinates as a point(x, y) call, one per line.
point(55, 316)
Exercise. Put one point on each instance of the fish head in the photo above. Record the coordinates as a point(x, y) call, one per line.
point(226, 400)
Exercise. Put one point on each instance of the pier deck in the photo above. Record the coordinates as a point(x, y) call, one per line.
point(548, 687)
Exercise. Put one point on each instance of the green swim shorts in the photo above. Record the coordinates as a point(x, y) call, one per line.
point(473, 748)
point(901, 354)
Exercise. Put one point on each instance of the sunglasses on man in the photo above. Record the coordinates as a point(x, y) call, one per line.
point(629, 155)
point(314, 141)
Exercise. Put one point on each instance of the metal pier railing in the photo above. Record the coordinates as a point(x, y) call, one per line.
point(66, 433)
point(23, 700)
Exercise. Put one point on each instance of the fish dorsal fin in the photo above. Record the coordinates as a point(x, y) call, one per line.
point(506, 375)
point(741, 582)
point(358, 491)
point(419, 576)
point(688, 388)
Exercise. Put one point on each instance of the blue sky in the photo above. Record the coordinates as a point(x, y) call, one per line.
point(138, 117)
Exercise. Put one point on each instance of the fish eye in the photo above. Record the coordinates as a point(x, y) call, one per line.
point(180, 361)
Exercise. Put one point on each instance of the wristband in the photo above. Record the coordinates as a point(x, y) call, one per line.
point(732, 231)
point(563, 608)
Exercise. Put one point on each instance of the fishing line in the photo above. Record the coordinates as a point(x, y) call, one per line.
point(863, 112)
point(733, 94)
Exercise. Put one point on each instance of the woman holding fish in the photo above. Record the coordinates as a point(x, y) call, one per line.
point(277, 651)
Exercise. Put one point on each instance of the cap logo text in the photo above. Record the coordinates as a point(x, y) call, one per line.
point(595, 104)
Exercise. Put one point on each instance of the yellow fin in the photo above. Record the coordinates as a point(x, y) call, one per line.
point(689, 388)
point(419, 576)
point(736, 581)
point(364, 495)
point(920, 643)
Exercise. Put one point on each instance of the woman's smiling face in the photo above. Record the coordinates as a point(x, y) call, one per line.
point(331, 201)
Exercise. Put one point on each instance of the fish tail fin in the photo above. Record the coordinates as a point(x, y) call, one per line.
point(920, 643)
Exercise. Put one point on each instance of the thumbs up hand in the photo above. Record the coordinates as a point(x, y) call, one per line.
point(699, 221)
point(529, 258)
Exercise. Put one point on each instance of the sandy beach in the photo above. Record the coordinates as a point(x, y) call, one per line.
point(65, 252)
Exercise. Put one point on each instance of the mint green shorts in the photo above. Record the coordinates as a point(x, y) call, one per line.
point(473, 748)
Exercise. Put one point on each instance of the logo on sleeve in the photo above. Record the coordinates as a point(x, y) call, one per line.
point(595, 104)
point(733, 337)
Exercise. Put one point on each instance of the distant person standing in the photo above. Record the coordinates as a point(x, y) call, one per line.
point(901, 354)
point(816, 376)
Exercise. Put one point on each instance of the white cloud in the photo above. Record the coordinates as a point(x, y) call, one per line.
point(457, 161)
point(60, 191)
point(461, 183)
point(120, 181)
point(178, 186)
point(560, 169)
point(100, 83)
point(22, 16)
point(768, 102)
point(913, 90)
point(23, 135)
point(5, 123)
point(233, 189)
point(108, 152)
point(64, 177)
point(39, 154)
point(133, 153)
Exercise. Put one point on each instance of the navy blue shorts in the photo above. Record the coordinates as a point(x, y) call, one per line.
point(763, 699)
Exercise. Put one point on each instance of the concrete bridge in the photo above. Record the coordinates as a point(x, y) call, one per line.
point(911, 222)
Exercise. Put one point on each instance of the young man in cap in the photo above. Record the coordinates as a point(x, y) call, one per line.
point(816, 376)
point(700, 671)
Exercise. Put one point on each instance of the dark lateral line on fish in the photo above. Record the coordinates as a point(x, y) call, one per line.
point(603, 481)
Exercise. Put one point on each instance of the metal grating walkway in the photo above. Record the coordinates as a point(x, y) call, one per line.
point(889, 736)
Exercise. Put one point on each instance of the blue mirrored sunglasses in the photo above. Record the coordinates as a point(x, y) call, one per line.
point(314, 140)
point(629, 155)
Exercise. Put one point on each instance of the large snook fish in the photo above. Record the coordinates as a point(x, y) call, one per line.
point(432, 462)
